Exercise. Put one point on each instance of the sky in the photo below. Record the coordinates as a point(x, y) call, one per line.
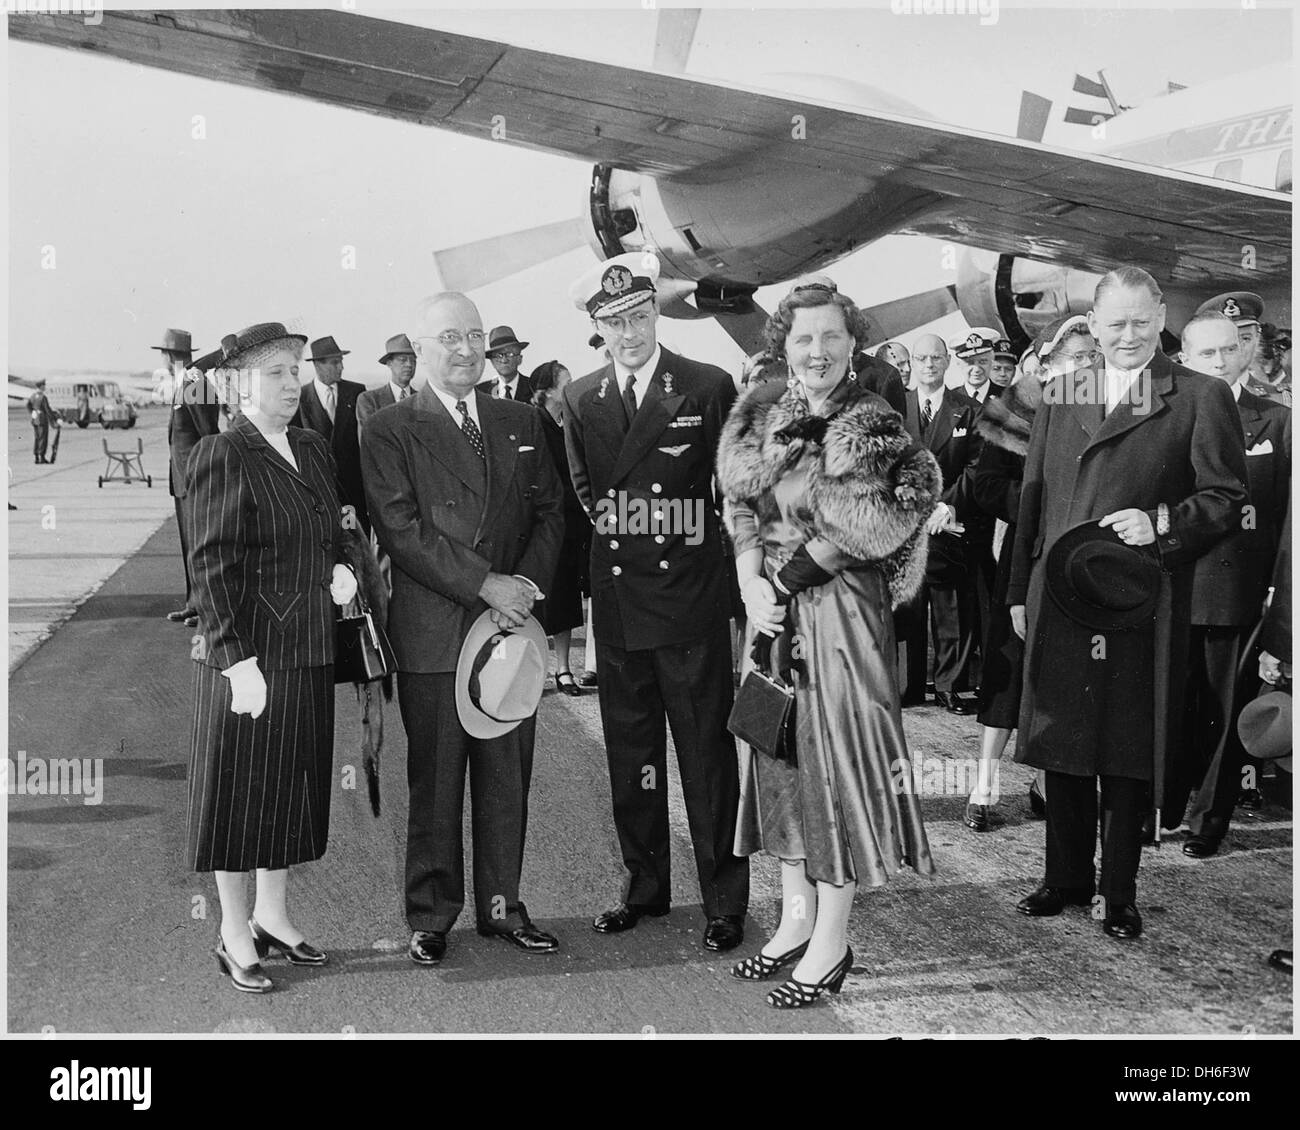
point(122, 221)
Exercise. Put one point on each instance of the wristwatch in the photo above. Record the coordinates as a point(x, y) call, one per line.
point(1162, 520)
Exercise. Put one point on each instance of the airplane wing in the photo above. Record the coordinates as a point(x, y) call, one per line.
point(984, 190)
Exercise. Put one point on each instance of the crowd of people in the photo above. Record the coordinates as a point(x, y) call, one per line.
point(1084, 537)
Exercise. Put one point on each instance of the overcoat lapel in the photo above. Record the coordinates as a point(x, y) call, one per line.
point(1128, 415)
point(502, 449)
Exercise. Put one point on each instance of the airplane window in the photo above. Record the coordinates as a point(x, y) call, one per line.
point(1228, 170)
point(1284, 171)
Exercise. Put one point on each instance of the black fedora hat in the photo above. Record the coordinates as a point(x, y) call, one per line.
point(233, 346)
point(325, 349)
point(1100, 582)
point(503, 337)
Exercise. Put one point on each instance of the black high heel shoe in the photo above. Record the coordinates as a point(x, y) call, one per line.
point(245, 978)
point(301, 954)
point(760, 967)
point(565, 683)
point(797, 994)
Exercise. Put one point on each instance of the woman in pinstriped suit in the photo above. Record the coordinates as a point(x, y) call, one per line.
point(265, 558)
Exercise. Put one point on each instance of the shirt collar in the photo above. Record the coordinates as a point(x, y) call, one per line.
point(322, 390)
point(978, 394)
point(643, 374)
point(507, 385)
point(934, 399)
point(1236, 387)
point(449, 402)
point(397, 391)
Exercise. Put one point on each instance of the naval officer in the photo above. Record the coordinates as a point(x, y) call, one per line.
point(642, 433)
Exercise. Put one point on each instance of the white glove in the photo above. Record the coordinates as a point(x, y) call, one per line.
point(247, 688)
point(344, 585)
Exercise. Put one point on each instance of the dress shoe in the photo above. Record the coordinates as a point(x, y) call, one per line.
point(1281, 959)
point(526, 937)
point(1250, 798)
point(587, 679)
point(1123, 921)
point(245, 978)
point(724, 933)
point(1201, 846)
point(178, 615)
point(760, 967)
point(798, 994)
point(301, 954)
point(1037, 802)
point(624, 917)
point(427, 947)
point(565, 683)
point(1048, 901)
point(981, 817)
point(952, 702)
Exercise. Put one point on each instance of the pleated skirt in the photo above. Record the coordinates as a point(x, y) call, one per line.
point(849, 809)
point(260, 790)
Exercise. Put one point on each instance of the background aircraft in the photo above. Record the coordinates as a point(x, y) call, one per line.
point(736, 189)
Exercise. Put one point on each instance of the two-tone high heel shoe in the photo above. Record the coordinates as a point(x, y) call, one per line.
point(301, 954)
point(245, 978)
point(798, 994)
point(760, 967)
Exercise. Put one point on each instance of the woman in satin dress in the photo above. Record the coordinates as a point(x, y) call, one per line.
point(827, 496)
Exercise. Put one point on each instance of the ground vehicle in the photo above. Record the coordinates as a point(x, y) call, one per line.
point(118, 413)
point(67, 394)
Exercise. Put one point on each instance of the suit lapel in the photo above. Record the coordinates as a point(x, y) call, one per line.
point(501, 447)
point(1252, 421)
point(257, 442)
point(313, 411)
point(435, 430)
point(651, 419)
point(606, 415)
point(941, 426)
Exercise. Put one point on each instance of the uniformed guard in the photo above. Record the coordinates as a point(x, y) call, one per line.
point(975, 351)
point(1004, 363)
point(1246, 310)
point(642, 433)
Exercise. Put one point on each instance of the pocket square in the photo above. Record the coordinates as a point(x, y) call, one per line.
point(675, 450)
point(527, 447)
point(1265, 448)
point(957, 433)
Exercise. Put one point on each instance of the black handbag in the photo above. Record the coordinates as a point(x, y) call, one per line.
point(362, 652)
point(763, 713)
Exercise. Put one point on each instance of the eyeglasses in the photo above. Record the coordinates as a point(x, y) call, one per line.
point(453, 339)
point(610, 327)
point(507, 355)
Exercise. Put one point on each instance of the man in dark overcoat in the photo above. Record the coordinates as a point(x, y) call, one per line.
point(1150, 451)
point(329, 406)
point(642, 433)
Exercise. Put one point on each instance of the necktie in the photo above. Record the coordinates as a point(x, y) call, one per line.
point(329, 402)
point(470, 429)
point(927, 414)
point(629, 396)
point(403, 394)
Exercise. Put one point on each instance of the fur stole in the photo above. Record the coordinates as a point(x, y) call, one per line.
point(870, 488)
point(1007, 420)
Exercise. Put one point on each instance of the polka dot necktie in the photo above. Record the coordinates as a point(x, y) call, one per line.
point(470, 429)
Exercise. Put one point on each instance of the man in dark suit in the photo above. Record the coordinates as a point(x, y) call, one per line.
point(329, 406)
point(196, 412)
point(1151, 453)
point(944, 420)
point(642, 433)
point(467, 504)
point(506, 352)
point(1229, 585)
point(879, 376)
point(400, 359)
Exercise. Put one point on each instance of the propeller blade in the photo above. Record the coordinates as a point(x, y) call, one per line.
point(472, 265)
point(674, 34)
point(746, 330)
point(902, 315)
point(1034, 112)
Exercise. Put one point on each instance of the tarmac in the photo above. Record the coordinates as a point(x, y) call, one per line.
point(107, 932)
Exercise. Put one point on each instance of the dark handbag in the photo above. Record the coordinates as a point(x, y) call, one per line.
point(763, 713)
point(362, 652)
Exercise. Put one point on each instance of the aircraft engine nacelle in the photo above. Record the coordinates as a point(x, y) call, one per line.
point(1020, 295)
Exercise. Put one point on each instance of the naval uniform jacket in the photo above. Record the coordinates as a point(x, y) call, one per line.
point(651, 587)
point(1089, 696)
point(264, 542)
point(448, 518)
point(1230, 581)
point(341, 434)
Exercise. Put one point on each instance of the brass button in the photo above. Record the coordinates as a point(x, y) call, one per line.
point(617, 570)
point(656, 487)
point(659, 539)
point(610, 492)
point(613, 544)
point(663, 564)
